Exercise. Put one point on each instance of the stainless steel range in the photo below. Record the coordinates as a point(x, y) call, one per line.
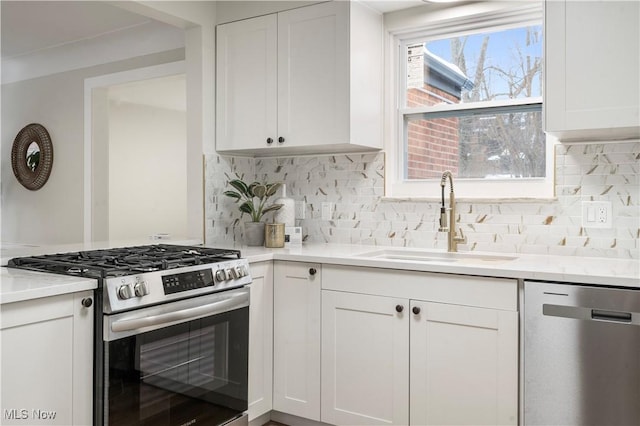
point(172, 327)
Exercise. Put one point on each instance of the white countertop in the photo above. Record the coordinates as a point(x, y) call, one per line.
point(571, 269)
point(18, 285)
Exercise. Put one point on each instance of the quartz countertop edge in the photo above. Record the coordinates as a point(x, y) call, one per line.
point(17, 285)
point(566, 269)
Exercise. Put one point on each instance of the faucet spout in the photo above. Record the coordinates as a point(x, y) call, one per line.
point(453, 238)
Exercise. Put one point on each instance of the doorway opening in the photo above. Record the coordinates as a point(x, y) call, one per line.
point(136, 155)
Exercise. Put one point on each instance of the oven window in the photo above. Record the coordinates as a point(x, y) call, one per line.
point(191, 373)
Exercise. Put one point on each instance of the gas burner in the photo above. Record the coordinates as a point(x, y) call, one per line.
point(118, 262)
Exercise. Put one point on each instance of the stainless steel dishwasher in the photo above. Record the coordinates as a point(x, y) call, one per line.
point(581, 355)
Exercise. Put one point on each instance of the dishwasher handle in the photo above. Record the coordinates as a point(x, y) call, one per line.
point(591, 314)
point(600, 315)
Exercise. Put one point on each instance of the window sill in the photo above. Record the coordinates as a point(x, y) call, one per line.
point(514, 200)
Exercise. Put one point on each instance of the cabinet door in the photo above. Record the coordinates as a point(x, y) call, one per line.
point(47, 361)
point(365, 359)
point(296, 340)
point(246, 79)
point(313, 75)
point(464, 365)
point(261, 340)
point(592, 66)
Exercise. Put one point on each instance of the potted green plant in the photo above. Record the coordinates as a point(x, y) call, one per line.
point(253, 198)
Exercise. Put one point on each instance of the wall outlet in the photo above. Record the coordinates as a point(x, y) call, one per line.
point(327, 211)
point(301, 210)
point(597, 214)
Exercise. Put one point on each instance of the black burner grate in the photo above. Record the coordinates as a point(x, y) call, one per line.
point(123, 261)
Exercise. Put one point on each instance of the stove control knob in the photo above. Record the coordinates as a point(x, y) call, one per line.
point(235, 272)
point(242, 271)
point(141, 289)
point(124, 292)
point(220, 275)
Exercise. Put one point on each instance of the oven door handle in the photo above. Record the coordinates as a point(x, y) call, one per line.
point(183, 315)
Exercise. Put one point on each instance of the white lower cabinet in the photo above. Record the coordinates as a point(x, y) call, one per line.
point(463, 365)
point(365, 359)
point(261, 339)
point(296, 339)
point(47, 361)
point(395, 358)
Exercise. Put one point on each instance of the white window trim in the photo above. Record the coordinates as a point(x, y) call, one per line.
point(456, 20)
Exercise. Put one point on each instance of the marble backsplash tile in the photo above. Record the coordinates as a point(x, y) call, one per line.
point(354, 183)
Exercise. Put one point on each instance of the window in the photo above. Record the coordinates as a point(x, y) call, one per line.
point(470, 101)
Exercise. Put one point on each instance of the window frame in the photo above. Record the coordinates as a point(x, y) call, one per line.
point(451, 22)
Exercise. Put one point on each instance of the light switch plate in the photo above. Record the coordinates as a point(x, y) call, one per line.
point(301, 210)
point(327, 210)
point(597, 214)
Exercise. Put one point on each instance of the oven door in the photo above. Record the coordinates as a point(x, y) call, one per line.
point(181, 363)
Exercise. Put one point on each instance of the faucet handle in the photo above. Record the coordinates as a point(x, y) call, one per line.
point(461, 238)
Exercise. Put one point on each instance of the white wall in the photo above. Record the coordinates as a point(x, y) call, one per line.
point(148, 171)
point(198, 18)
point(53, 214)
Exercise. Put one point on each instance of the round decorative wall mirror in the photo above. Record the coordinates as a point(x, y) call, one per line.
point(32, 156)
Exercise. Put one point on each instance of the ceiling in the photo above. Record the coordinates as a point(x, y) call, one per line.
point(31, 26)
point(385, 6)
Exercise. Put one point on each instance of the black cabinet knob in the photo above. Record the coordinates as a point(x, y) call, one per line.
point(280, 139)
point(312, 271)
point(87, 302)
point(416, 310)
point(269, 141)
point(399, 308)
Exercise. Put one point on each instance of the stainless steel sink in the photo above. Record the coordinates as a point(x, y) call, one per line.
point(431, 256)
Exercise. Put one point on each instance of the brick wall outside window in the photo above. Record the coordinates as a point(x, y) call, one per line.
point(432, 145)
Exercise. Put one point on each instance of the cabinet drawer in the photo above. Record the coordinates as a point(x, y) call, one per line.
point(486, 292)
point(36, 310)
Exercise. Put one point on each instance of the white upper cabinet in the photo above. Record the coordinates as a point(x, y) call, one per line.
point(307, 80)
point(247, 104)
point(592, 88)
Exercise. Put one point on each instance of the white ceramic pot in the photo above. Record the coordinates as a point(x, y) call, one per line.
point(254, 233)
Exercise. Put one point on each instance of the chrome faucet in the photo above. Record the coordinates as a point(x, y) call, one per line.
point(453, 238)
